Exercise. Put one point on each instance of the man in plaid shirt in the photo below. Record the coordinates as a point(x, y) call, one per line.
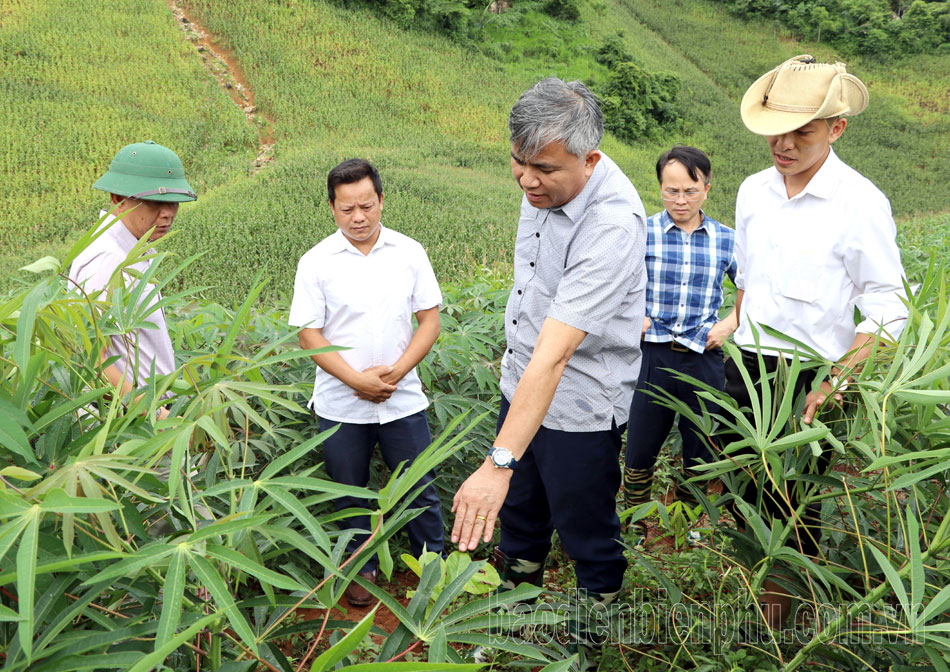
point(687, 256)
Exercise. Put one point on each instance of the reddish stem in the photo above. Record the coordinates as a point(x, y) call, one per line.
point(326, 617)
point(400, 655)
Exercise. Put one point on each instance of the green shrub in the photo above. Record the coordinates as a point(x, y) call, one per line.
point(566, 10)
point(105, 565)
point(637, 104)
point(860, 26)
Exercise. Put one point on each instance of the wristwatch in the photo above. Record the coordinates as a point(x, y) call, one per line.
point(502, 458)
point(839, 384)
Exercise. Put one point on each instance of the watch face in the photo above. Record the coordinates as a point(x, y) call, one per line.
point(502, 457)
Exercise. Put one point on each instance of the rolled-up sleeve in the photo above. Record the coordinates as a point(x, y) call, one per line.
point(600, 270)
point(872, 260)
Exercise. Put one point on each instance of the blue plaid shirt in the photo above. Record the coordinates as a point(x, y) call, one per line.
point(684, 279)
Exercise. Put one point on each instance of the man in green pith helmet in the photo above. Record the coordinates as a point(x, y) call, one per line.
point(146, 183)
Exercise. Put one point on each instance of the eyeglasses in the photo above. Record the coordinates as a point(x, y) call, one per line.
point(688, 195)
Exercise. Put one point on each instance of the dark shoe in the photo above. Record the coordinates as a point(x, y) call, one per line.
point(356, 594)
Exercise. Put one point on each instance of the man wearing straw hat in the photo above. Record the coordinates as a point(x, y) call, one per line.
point(814, 240)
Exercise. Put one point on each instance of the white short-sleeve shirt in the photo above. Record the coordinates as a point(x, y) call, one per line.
point(808, 261)
point(365, 303)
point(138, 350)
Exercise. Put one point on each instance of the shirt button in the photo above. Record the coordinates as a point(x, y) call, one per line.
point(537, 235)
point(519, 292)
point(531, 264)
point(514, 321)
point(510, 351)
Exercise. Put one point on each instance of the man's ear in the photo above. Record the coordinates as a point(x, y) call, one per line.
point(590, 161)
point(837, 129)
point(381, 196)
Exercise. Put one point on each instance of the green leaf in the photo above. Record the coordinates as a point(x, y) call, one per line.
point(292, 456)
point(560, 666)
point(227, 526)
point(925, 397)
point(438, 647)
point(234, 559)
point(385, 557)
point(916, 564)
point(174, 589)
point(57, 501)
point(349, 643)
point(893, 578)
point(148, 555)
point(72, 564)
point(224, 600)
point(154, 659)
point(12, 436)
point(295, 507)
point(936, 606)
point(43, 265)
point(19, 473)
point(25, 327)
point(26, 581)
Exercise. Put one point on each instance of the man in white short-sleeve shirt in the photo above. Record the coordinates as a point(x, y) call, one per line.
point(146, 182)
point(814, 240)
point(359, 288)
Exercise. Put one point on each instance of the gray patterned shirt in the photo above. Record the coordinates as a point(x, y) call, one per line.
point(582, 264)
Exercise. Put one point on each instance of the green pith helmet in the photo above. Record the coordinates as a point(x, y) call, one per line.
point(149, 172)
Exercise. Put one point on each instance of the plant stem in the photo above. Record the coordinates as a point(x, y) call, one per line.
point(833, 628)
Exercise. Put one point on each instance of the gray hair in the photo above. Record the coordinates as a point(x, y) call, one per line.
point(556, 111)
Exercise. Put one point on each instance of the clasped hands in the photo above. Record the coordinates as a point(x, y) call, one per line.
point(376, 384)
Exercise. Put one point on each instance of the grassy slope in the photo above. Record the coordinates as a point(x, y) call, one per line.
point(77, 81)
point(900, 142)
point(339, 83)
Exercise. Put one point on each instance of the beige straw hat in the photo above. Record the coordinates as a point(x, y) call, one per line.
point(799, 90)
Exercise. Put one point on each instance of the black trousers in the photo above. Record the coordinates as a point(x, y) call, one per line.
point(567, 481)
point(772, 503)
point(347, 455)
point(650, 422)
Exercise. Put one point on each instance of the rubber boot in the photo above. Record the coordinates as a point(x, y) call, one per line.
point(590, 628)
point(683, 492)
point(512, 572)
point(637, 490)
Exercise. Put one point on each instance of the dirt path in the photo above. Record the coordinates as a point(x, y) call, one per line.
point(223, 66)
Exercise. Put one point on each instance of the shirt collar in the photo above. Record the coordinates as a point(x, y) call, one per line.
point(577, 206)
point(667, 222)
point(118, 232)
point(341, 243)
point(821, 185)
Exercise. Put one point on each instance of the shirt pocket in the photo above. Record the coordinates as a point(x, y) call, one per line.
point(810, 282)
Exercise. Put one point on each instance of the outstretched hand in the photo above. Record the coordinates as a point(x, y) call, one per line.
point(476, 505)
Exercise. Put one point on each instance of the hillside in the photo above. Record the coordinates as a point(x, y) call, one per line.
point(80, 79)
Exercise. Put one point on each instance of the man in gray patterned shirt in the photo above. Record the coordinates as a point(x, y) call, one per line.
point(573, 326)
